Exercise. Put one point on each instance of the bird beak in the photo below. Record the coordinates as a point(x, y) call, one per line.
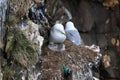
point(63, 33)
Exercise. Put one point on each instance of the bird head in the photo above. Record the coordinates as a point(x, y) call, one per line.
point(59, 27)
point(70, 26)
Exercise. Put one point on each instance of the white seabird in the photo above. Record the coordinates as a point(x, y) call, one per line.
point(57, 37)
point(72, 33)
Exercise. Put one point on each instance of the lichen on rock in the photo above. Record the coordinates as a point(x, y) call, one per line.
point(19, 8)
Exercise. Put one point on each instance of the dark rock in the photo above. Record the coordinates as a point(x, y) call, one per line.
point(101, 16)
point(83, 16)
point(101, 40)
point(81, 11)
point(38, 14)
point(89, 38)
point(59, 12)
point(112, 71)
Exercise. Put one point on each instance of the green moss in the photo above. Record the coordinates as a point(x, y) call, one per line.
point(18, 47)
point(12, 20)
point(12, 71)
point(8, 74)
point(46, 41)
point(3, 62)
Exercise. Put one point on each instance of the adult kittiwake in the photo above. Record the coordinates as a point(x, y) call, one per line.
point(72, 33)
point(57, 37)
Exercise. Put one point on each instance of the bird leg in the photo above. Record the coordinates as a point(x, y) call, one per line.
point(61, 47)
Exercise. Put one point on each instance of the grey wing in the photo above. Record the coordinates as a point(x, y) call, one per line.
point(74, 36)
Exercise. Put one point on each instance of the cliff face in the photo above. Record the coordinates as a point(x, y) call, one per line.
point(20, 50)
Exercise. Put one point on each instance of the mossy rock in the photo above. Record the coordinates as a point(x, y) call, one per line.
point(19, 49)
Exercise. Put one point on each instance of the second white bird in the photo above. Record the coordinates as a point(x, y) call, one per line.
point(72, 33)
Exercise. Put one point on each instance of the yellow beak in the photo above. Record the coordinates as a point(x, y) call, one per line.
point(63, 33)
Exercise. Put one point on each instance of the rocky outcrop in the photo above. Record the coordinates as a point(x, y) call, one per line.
point(22, 49)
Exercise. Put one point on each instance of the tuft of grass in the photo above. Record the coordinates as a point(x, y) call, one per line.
point(19, 48)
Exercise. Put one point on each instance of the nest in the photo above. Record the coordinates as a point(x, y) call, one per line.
point(74, 57)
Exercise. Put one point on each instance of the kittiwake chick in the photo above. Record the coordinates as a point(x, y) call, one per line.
point(72, 33)
point(57, 37)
